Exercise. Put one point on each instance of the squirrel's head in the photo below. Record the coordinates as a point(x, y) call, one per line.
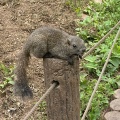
point(76, 46)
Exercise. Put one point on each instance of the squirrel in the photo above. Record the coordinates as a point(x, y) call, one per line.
point(45, 42)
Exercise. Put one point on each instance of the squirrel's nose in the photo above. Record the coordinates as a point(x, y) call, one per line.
point(83, 50)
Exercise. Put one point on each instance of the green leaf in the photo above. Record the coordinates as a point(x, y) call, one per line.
point(78, 29)
point(115, 61)
point(8, 78)
point(91, 58)
point(2, 85)
point(118, 83)
point(4, 69)
point(11, 82)
point(91, 65)
point(116, 50)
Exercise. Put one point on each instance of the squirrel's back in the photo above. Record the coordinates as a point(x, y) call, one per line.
point(49, 32)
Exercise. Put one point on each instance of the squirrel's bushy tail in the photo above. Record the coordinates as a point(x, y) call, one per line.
point(21, 87)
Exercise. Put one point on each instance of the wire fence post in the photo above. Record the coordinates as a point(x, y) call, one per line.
point(63, 103)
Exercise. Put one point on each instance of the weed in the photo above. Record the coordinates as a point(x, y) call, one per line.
point(7, 75)
point(100, 19)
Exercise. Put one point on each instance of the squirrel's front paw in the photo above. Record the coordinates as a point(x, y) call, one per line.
point(22, 90)
point(70, 61)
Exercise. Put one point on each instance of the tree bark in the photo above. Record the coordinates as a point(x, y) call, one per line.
point(63, 103)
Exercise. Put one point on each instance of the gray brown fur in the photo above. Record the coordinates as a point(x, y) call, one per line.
point(45, 42)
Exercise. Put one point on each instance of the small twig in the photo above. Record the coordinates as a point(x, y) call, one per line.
point(99, 79)
point(102, 40)
point(40, 100)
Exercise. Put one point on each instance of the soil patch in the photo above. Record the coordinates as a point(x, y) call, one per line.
point(18, 18)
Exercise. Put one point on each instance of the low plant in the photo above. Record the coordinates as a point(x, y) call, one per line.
point(6, 76)
point(100, 19)
point(101, 98)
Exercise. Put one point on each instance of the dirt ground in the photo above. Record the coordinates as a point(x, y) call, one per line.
point(18, 18)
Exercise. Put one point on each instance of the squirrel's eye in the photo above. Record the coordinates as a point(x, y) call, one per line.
point(74, 46)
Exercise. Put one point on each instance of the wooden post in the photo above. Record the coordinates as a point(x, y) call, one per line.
point(63, 103)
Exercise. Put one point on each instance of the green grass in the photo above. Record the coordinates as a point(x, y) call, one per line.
point(101, 18)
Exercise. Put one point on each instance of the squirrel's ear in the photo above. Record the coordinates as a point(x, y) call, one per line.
point(68, 41)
